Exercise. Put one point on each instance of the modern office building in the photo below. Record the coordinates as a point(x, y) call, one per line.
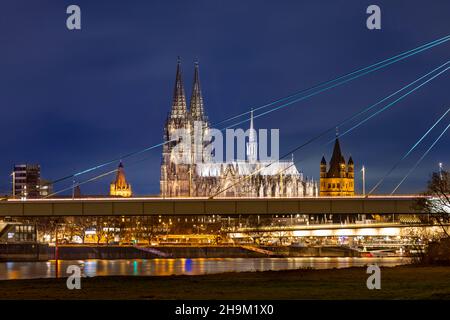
point(27, 182)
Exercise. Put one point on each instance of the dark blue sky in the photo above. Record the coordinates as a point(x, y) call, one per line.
point(73, 99)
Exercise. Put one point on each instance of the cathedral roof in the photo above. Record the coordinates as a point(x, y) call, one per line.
point(196, 106)
point(244, 168)
point(336, 160)
point(179, 98)
point(284, 167)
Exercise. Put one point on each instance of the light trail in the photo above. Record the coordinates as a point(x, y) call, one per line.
point(421, 158)
point(83, 182)
point(110, 162)
point(398, 99)
point(400, 56)
point(320, 91)
point(408, 152)
point(380, 65)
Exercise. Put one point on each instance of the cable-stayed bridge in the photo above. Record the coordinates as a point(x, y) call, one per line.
point(352, 122)
point(390, 100)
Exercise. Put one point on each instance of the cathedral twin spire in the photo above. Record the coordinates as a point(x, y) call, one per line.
point(196, 107)
point(179, 109)
point(179, 97)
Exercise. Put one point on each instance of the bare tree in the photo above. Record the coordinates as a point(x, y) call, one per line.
point(420, 237)
point(100, 229)
point(73, 227)
point(83, 223)
point(149, 224)
point(48, 226)
point(437, 202)
point(436, 205)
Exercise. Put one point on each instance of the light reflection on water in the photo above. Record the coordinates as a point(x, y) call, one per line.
point(165, 267)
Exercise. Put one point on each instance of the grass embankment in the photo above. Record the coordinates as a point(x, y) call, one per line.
point(403, 282)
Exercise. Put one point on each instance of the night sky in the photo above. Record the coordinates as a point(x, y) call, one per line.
point(74, 99)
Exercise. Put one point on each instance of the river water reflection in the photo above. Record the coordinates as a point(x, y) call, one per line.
point(165, 267)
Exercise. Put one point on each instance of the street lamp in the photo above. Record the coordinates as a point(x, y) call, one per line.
point(440, 170)
point(363, 170)
point(56, 252)
point(13, 174)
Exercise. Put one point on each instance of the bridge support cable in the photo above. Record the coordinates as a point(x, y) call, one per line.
point(110, 162)
point(346, 121)
point(318, 89)
point(382, 63)
point(316, 92)
point(420, 159)
point(318, 136)
point(400, 98)
point(408, 152)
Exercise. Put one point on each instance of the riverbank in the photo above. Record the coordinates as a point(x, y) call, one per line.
point(401, 282)
point(43, 252)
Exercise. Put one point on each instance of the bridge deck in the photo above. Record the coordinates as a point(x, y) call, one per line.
point(203, 206)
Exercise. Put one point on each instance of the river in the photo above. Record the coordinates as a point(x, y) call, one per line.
point(166, 267)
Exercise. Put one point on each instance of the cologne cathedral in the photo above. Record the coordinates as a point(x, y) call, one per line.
point(204, 178)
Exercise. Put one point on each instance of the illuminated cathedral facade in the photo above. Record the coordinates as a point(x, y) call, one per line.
point(204, 177)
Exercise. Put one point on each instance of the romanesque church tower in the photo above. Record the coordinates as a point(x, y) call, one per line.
point(339, 180)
